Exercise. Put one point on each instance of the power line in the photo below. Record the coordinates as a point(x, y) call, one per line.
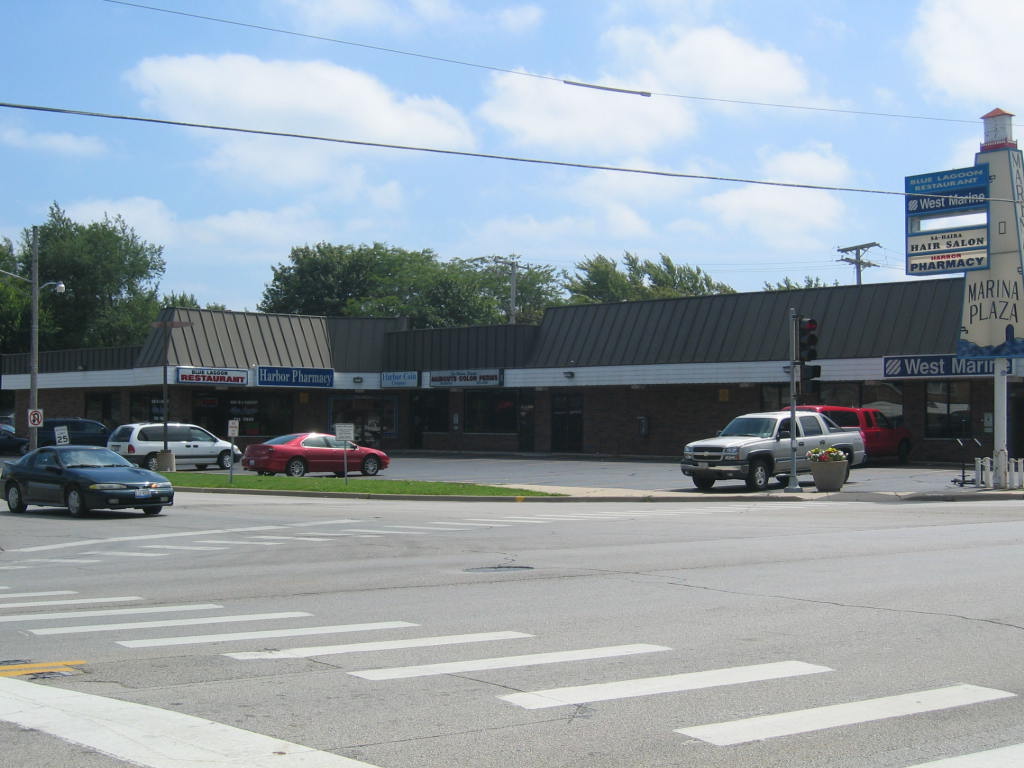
point(525, 73)
point(463, 153)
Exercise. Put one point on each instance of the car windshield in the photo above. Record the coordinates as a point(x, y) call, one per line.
point(749, 426)
point(77, 458)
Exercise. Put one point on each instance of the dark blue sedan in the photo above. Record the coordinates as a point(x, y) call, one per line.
point(82, 478)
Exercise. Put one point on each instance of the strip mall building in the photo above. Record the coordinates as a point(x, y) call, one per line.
point(626, 379)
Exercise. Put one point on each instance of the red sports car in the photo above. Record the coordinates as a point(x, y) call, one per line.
point(297, 454)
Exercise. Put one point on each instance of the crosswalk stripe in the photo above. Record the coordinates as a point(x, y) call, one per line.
point(383, 530)
point(239, 541)
point(168, 623)
point(647, 686)
point(147, 736)
point(1004, 757)
point(178, 546)
point(474, 525)
point(7, 595)
point(62, 560)
point(146, 537)
point(340, 521)
point(510, 520)
point(380, 645)
point(290, 538)
point(130, 554)
point(77, 601)
point(818, 718)
point(110, 612)
point(507, 662)
point(426, 528)
point(159, 642)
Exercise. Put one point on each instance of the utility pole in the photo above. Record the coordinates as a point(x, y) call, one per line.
point(857, 259)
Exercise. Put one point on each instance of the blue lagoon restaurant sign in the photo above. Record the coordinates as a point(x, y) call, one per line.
point(274, 376)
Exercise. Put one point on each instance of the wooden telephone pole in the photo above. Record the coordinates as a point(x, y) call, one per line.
point(857, 260)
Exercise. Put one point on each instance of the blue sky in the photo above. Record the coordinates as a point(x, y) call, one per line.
point(228, 207)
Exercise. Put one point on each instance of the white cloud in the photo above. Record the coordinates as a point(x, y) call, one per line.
point(971, 51)
point(544, 113)
point(151, 219)
point(59, 143)
point(707, 61)
point(786, 218)
point(520, 18)
point(308, 98)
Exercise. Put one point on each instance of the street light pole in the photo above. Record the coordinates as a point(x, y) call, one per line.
point(58, 286)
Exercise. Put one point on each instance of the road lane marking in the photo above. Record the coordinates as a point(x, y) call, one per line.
point(475, 525)
point(379, 531)
point(60, 560)
point(77, 601)
point(168, 623)
point(1003, 757)
point(147, 537)
point(239, 541)
point(289, 538)
point(19, 670)
point(509, 520)
point(426, 528)
point(150, 737)
point(129, 554)
point(159, 642)
point(647, 686)
point(110, 612)
point(324, 522)
point(507, 662)
point(178, 546)
point(852, 713)
point(381, 645)
point(7, 595)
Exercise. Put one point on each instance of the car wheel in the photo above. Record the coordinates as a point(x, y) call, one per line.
point(224, 460)
point(295, 468)
point(757, 477)
point(371, 465)
point(703, 483)
point(151, 510)
point(903, 452)
point(150, 462)
point(76, 502)
point(15, 502)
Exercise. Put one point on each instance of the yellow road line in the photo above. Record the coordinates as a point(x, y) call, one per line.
point(14, 670)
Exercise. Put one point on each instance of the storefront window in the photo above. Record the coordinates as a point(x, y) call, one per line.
point(886, 396)
point(259, 415)
point(104, 406)
point(373, 417)
point(949, 409)
point(492, 411)
point(146, 406)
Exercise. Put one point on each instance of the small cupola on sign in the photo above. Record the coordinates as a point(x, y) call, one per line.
point(998, 130)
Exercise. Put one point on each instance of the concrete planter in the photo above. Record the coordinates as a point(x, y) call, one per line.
point(829, 475)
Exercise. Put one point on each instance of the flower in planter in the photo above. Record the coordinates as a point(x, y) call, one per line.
point(826, 454)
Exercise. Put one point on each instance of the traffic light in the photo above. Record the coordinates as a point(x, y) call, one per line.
point(807, 346)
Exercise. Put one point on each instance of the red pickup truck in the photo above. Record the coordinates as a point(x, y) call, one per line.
point(881, 437)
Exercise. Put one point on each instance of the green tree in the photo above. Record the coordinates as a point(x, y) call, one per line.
point(15, 298)
point(789, 285)
point(537, 287)
point(599, 280)
point(186, 301)
point(111, 276)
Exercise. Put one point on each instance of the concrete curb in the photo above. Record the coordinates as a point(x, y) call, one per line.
point(612, 495)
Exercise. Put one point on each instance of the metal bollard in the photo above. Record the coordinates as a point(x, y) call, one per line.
point(983, 472)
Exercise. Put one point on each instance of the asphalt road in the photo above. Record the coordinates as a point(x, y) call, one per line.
point(726, 634)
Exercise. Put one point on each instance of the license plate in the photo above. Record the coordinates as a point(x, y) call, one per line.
point(143, 493)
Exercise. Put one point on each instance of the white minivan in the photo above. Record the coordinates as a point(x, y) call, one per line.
point(140, 443)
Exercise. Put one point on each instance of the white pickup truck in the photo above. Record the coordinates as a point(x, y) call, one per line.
point(756, 446)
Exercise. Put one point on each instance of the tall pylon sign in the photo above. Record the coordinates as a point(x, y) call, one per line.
point(971, 220)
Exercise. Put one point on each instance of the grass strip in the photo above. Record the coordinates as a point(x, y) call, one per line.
point(330, 484)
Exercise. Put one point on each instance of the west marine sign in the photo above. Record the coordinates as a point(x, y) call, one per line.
point(939, 201)
point(935, 366)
